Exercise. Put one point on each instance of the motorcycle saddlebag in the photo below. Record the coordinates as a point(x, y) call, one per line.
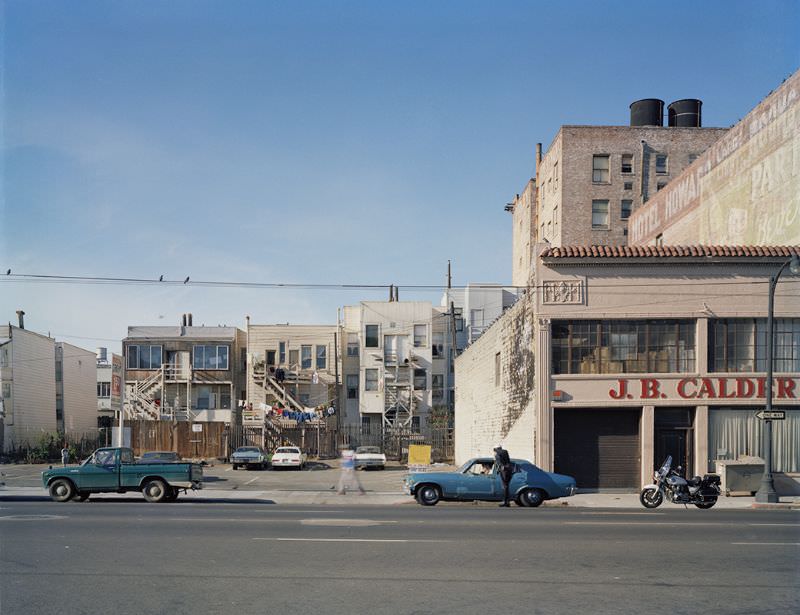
point(711, 479)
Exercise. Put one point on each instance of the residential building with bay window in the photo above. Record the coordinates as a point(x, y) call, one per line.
point(305, 358)
point(623, 355)
point(185, 372)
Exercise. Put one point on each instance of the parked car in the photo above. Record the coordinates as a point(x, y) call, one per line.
point(113, 470)
point(159, 457)
point(478, 479)
point(288, 457)
point(370, 457)
point(249, 457)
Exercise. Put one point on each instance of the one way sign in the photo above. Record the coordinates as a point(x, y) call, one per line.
point(775, 415)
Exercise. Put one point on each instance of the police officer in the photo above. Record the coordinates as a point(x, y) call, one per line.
point(505, 469)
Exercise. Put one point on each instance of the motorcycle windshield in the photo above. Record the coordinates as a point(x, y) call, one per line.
point(667, 465)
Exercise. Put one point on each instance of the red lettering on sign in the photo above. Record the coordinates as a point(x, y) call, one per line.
point(650, 388)
point(723, 389)
point(744, 387)
point(761, 382)
point(682, 388)
point(706, 388)
point(785, 388)
point(621, 392)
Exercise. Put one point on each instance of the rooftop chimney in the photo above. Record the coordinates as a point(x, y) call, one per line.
point(21, 317)
point(190, 319)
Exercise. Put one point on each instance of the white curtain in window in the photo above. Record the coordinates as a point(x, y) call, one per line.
point(733, 433)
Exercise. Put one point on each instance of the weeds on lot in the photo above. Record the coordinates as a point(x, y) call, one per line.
point(47, 448)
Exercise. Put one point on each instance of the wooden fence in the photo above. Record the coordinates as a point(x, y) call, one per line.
point(209, 443)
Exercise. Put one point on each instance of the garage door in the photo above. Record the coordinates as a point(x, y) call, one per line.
point(600, 448)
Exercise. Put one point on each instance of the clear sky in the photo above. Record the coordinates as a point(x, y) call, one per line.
point(318, 142)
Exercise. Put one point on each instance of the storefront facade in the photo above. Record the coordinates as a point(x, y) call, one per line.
point(645, 352)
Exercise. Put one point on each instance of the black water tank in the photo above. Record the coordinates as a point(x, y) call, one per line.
point(647, 112)
point(685, 113)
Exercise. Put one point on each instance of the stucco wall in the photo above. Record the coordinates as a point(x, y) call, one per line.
point(80, 389)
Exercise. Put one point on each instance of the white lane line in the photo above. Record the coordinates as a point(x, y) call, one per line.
point(767, 544)
point(775, 524)
point(229, 469)
point(251, 481)
point(349, 540)
point(633, 523)
point(623, 513)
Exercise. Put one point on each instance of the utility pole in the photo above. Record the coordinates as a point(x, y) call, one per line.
point(336, 372)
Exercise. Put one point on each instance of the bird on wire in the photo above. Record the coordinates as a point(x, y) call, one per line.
point(186, 281)
point(161, 278)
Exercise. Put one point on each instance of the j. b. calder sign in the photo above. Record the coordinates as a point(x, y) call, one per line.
point(702, 388)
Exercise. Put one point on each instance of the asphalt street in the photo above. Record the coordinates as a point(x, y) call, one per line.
point(128, 556)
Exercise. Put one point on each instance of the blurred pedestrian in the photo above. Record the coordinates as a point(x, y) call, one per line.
point(64, 455)
point(505, 469)
point(348, 476)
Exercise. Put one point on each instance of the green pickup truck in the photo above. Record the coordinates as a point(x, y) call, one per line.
point(115, 470)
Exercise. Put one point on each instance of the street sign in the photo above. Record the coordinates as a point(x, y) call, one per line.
point(775, 415)
point(197, 427)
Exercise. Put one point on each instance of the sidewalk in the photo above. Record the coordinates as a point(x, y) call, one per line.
point(390, 498)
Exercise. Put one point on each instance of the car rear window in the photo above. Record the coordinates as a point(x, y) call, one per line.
point(291, 451)
point(247, 449)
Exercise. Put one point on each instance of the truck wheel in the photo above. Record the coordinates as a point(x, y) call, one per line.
point(61, 490)
point(155, 490)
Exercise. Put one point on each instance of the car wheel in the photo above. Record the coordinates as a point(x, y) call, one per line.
point(428, 495)
point(651, 498)
point(532, 497)
point(61, 490)
point(82, 496)
point(155, 490)
point(235, 467)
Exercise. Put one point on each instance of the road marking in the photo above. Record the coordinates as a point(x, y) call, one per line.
point(643, 523)
point(776, 524)
point(251, 481)
point(623, 513)
point(343, 522)
point(30, 517)
point(349, 540)
point(229, 469)
point(767, 544)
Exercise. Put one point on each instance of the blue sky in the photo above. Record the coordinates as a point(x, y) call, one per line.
point(318, 142)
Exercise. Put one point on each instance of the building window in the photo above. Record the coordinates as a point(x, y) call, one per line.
point(3, 357)
point(555, 176)
point(371, 379)
point(352, 344)
point(282, 353)
point(104, 389)
point(372, 339)
point(270, 357)
point(351, 381)
point(294, 358)
point(437, 388)
point(660, 239)
point(661, 163)
point(693, 157)
point(627, 163)
point(213, 357)
point(625, 208)
point(420, 379)
point(497, 369)
point(420, 336)
point(600, 169)
point(322, 357)
point(366, 425)
point(59, 371)
point(628, 186)
point(740, 345)
point(623, 346)
point(660, 186)
point(736, 432)
point(305, 357)
point(415, 424)
point(599, 214)
point(437, 347)
point(305, 399)
point(144, 357)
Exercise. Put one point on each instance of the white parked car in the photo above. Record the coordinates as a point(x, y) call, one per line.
point(370, 457)
point(288, 457)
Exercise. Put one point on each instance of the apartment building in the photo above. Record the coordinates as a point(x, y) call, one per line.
point(294, 365)
point(593, 178)
point(46, 387)
point(394, 364)
point(188, 372)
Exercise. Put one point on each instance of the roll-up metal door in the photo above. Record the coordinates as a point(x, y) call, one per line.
point(599, 448)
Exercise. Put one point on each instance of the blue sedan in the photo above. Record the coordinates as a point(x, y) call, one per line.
point(478, 479)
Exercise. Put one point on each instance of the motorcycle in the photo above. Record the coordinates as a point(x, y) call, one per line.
point(702, 492)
